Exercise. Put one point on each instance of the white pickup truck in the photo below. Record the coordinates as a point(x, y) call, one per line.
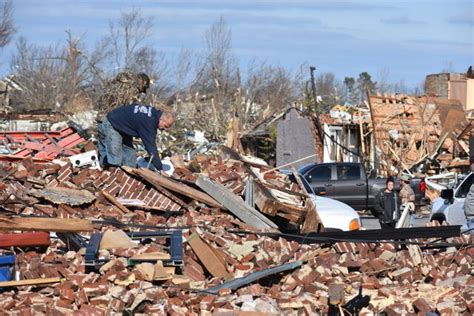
point(449, 206)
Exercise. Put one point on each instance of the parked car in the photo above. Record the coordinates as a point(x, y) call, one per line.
point(334, 215)
point(449, 206)
point(349, 183)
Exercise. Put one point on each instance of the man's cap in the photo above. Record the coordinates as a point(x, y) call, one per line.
point(405, 177)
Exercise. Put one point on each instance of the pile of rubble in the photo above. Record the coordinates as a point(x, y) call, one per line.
point(424, 134)
point(132, 241)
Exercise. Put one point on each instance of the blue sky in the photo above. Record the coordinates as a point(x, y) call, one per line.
point(409, 38)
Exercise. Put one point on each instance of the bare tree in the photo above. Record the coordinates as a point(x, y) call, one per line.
point(268, 89)
point(217, 69)
point(39, 69)
point(216, 83)
point(383, 79)
point(182, 72)
point(55, 76)
point(7, 28)
point(327, 90)
point(128, 47)
point(419, 89)
point(127, 41)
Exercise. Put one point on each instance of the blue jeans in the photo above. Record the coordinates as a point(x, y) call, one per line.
point(115, 148)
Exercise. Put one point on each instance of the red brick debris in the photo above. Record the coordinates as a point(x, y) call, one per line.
point(398, 279)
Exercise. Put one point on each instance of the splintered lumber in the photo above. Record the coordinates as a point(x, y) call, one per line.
point(267, 203)
point(45, 224)
point(37, 239)
point(312, 221)
point(30, 282)
point(234, 204)
point(289, 164)
point(115, 202)
point(181, 188)
point(209, 257)
point(151, 256)
point(464, 146)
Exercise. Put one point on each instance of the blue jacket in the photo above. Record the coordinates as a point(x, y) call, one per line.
point(138, 120)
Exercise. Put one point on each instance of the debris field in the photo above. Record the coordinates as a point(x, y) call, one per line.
point(94, 242)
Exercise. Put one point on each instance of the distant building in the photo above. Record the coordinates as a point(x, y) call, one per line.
point(453, 86)
point(291, 135)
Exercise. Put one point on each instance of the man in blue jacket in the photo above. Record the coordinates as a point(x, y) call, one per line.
point(117, 130)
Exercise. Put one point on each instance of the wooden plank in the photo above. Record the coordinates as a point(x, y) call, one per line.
point(209, 258)
point(466, 130)
point(234, 204)
point(30, 282)
point(37, 239)
point(178, 187)
point(312, 221)
point(158, 180)
point(45, 224)
point(264, 199)
point(295, 219)
point(269, 204)
point(114, 201)
point(272, 186)
point(464, 146)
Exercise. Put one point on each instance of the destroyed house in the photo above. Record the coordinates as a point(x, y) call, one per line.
point(292, 135)
point(423, 134)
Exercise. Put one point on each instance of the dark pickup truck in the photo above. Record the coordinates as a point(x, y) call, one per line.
point(348, 182)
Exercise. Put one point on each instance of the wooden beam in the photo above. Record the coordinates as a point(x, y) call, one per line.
point(464, 146)
point(264, 199)
point(234, 204)
point(30, 282)
point(289, 164)
point(47, 224)
point(275, 187)
point(269, 204)
point(466, 130)
point(158, 180)
point(213, 262)
point(114, 201)
point(312, 221)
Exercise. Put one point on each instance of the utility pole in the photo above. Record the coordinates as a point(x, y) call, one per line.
point(313, 88)
point(316, 107)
